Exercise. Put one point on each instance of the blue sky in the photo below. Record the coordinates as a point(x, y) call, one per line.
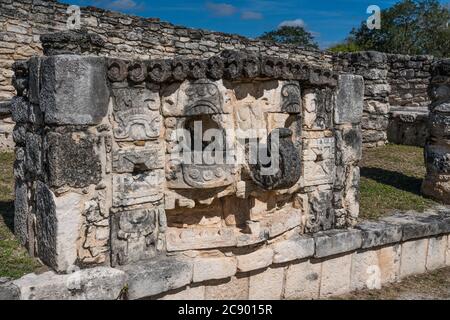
point(330, 21)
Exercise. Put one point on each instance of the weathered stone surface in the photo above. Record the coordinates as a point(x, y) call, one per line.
point(318, 105)
point(74, 90)
point(234, 288)
point(349, 99)
point(20, 109)
point(297, 247)
point(213, 268)
point(335, 278)
point(348, 145)
point(21, 212)
point(256, 260)
point(73, 159)
point(375, 234)
point(153, 277)
point(58, 220)
point(365, 272)
point(8, 291)
point(200, 238)
point(334, 242)
point(303, 280)
point(99, 283)
point(436, 253)
point(266, 285)
point(321, 215)
point(414, 255)
point(419, 225)
point(190, 293)
point(389, 259)
point(134, 160)
point(318, 161)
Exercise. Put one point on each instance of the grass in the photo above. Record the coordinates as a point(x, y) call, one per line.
point(429, 286)
point(391, 177)
point(14, 259)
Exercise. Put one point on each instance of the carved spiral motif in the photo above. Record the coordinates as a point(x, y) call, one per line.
point(117, 70)
point(137, 72)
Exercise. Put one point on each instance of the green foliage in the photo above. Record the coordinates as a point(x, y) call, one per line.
point(409, 27)
point(346, 46)
point(291, 35)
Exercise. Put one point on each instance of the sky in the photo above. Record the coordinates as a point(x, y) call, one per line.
point(330, 21)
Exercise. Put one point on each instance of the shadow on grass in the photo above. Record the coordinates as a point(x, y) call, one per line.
point(395, 179)
point(7, 212)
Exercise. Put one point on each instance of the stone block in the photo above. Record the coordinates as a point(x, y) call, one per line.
point(336, 274)
point(303, 280)
point(447, 254)
point(99, 283)
point(19, 109)
point(266, 285)
point(389, 262)
point(8, 291)
point(135, 160)
point(189, 293)
point(234, 288)
point(199, 238)
point(33, 154)
point(366, 271)
point(334, 242)
point(256, 260)
point(58, 220)
point(21, 212)
point(437, 248)
point(213, 268)
point(150, 278)
point(297, 247)
point(73, 159)
point(318, 105)
point(379, 233)
point(318, 161)
point(74, 90)
point(348, 145)
point(414, 255)
point(349, 99)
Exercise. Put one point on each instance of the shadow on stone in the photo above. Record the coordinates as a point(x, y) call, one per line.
point(7, 213)
point(395, 179)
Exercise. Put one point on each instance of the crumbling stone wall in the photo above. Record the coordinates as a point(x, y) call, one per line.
point(99, 181)
point(437, 149)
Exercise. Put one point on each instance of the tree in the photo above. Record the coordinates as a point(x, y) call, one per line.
point(346, 46)
point(291, 35)
point(409, 27)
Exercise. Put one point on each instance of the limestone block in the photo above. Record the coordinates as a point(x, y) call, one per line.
point(58, 220)
point(318, 105)
point(348, 145)
point(336, 274)
point(349, 99)
point(138, 159)
point(379, 233)
point(73, 159)
point(234, 288)
point(136, 114)
point(21, 212)
point(189, 293)
point(266, 285)
point(389, 262)
point(303, 280)
point(436, 253)
point(256, 260)
point(414, 255)
point(20, 109)
point(334, 242)
point(318, 161)
point(33, 154)
point(74, 89)
point(366, 271)
point(297, 247)
point(447, 254)
point(8, 291)
point(213, 268)
point(149, 278)
point(199, 238)
point(99, 283)
point(131, 189)
point(34, 65)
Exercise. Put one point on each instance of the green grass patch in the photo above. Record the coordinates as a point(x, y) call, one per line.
point(391, 178)
point(14, 259)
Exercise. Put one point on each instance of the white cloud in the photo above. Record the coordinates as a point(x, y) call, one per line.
point(251, 15)
point(292, 23)
point(221, 9)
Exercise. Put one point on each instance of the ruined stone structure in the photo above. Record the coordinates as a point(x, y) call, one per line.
point(437, 148)
point(23, 21)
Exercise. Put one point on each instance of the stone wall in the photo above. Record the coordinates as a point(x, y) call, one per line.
point(330, 263)
point(437, 149)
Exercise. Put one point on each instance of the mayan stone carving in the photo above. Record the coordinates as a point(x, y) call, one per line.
point(180, 157)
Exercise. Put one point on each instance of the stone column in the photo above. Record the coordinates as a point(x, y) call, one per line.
point(437, 148)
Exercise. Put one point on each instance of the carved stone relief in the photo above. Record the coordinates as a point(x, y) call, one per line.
point(318, 161)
